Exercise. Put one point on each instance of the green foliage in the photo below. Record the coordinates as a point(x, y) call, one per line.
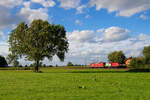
point(37, 41)
point(31, 65)
point(26, 66)
point(69, 64)
point(16, 63)
point(117, 56)
point(3, 62)
point(56, 65)
point(20, 66)
point(50, 66)
point(40, 64)
point(146, 53)
point(44, 65)
point(138, 62)
point(142, 62)
point(13, 58)
point(133, 63)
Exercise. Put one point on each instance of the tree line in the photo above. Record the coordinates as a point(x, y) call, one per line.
point(136, 62)
point(143, 61)
point(41, 40)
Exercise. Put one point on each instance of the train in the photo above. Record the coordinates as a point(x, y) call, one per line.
point(106, 65)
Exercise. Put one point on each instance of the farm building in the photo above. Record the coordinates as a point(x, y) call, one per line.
point(127, 61)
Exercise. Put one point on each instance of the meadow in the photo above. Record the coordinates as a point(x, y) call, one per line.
point(74, 84)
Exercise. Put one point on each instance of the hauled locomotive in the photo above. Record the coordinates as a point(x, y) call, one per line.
point(105, 65)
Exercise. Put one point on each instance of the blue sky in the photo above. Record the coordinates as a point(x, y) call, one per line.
point(106, 25)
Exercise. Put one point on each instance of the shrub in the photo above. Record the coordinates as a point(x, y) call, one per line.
point(26, 66)
point(44, 65)
point(138, 62)
point(69, 64)
point(50, 65)
point(3, 62)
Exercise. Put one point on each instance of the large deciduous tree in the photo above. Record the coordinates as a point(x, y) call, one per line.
point(117, 56)
point(38, 40)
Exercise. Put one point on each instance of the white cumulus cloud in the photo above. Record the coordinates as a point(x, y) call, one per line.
point(45, 3)
point(4, 48)
point(81, 36)
point(2, 35)
point(142, 36)
point(115, 34)
point(142, 16)
point(78, 22)
point(125, 8)
point(80, 9)
point(10, 3)
point(68, 4)
point(30, 14)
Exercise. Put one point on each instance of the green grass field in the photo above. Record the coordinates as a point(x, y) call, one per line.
point(74, 84)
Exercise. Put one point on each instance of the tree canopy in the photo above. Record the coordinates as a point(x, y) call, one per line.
point(117, 56)
point(143, 61)
point(137, 62)
point(38, 40)
point(146, 53)
point(3, 62)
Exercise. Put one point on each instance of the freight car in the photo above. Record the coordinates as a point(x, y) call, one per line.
point(105, 65)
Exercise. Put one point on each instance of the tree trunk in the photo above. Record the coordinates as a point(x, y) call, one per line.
point(36, 66)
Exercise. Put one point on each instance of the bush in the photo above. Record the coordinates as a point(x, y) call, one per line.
point(142, 62)
point(138, 62)
point(31, 65)
point(69, 64)
point(50, 65)
point(26, 66)
point(20, 66)
point(3, 62)
point(44, 65)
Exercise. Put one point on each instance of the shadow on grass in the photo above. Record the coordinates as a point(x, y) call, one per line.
point(116, 71)
point(119, 70)
point(139, 70)
point(98, 72)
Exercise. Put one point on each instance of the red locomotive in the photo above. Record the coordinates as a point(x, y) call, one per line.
point(103, 65)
